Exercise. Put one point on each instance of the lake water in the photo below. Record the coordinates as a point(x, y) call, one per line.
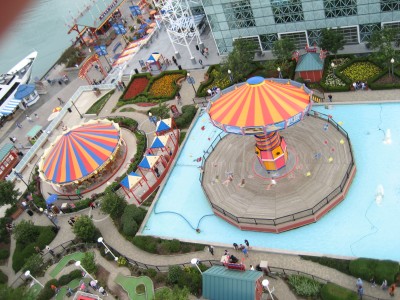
point(40, 27)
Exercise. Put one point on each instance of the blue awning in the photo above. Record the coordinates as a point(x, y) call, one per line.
point(24, 90)
point(131, 180)
point(9, 107)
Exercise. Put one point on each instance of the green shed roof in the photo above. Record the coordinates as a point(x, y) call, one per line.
point(5, 150)
point(310, 62)
point(220, 283)
point(34, 130)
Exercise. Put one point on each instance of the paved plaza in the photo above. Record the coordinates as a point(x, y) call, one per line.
point(103, 222)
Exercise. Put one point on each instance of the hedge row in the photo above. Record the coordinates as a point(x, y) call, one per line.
point(160, 246)
point(332, 291)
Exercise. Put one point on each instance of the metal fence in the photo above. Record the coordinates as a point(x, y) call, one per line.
point(292, 217)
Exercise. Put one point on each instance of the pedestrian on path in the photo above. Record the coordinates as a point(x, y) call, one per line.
point(36, 115)
point(103, 291)
point(60, 100)
point(235, 246)
point(251, 268)
point(360, 292)
point(174, 60)
point(28, 118)
point(392, 289)
point(211, 249)
point(200, 62)
point(330, 97)
point(245, 252)
point(247, 243)
point(13, 139)
point(19, 125)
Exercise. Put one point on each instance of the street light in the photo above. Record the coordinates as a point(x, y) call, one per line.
point(333, 68)
point(28, 274)
point(279, 72)
point(195, 261)
point(101, 240)
point(265, 284)
point(19, 175)
point(191, 81)
point(392, 62)
point(77, 109)
point(230, 76)
point(78, 264)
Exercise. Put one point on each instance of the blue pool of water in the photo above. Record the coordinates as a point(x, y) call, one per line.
point(360, 226)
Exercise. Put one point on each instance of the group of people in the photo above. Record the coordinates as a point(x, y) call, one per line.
point(121, 85)
point(384, 286)
point(359, 85)
point(71, 221)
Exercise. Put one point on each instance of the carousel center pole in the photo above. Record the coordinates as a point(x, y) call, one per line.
point(271, 150)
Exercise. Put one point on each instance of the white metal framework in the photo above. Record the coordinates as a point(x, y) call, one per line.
point(179, 23)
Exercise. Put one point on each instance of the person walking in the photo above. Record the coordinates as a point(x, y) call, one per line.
point(392, 289)
point(247, 243)
point(19, 125)
point(330, 97)
point(360, 292)
point(174, 60)
point(28, 118)
point(245, 252)
point(235, 246)
point(36, 115)
point(211, 249)
point(200, 61)
point(60, 100)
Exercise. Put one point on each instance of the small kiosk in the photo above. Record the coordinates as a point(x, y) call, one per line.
point(34, 133)
point(8, 159)
point(27, 94)
point(156, 62)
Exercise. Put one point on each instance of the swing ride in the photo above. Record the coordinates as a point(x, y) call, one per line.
point(275, 183)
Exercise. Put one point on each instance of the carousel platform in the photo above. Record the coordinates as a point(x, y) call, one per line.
point(316, 179)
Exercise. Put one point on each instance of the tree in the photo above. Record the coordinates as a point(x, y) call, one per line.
point(240, 60)
point(332, 40)
point(26, 232)
point(85, 229)
point(283, 50)
point(113, 204)
point(89, 263)
point(8, 193)
point(382, 42)
point(10, 293)
point(34, 264)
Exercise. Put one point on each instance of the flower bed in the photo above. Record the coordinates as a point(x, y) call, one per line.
point(361, 71)
point(136, 87)
point(164, 86)
point(332, 80)
point(220, 80)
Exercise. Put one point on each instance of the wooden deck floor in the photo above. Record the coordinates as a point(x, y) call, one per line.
point(295, 191)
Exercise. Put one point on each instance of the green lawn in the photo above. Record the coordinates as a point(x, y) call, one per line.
point(99, 104)
point(129, 284)
point(64, 261)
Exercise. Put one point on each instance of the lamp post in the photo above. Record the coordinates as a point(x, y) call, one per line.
point(191, 81)
point(101, 240)
point(78, 264)
point(28, 274)
point(19, 175)
point(230, 76)
point(77, 109)
point(392, 62)
point(195, 261)
point(333, 68)
point(279, 72)
point(265, 284)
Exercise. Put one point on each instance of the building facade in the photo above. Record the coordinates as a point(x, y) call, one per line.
point(265, 21)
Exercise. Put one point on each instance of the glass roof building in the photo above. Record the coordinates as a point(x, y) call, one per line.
point(265, 21)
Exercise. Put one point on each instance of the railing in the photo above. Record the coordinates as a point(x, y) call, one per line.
point(70, 246)
point(291, 217)
point(53, 125)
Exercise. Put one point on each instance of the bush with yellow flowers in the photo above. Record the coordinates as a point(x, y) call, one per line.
point(361, 71)
point(164, 86)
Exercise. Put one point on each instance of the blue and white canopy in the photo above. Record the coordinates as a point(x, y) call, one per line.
point(131, 180)
point(24, 90)
point(9, 107)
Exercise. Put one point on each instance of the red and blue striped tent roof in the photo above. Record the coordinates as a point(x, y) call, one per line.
point(80, 152)
point(131, 180)
point(259, 103)
point(149, 161)
point(160, 142)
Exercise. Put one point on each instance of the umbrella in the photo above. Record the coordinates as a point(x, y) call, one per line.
point(54, 113)
point(51, 199)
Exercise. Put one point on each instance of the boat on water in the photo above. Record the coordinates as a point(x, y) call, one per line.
point(10, 82)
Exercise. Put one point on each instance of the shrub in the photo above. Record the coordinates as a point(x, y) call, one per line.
point(186, 118)
point(45, 237)
point(341, 265)
point(174, 274)
point(304, 286)
point(85, 229)
point(380, 270)
point(175, 294)
point(122, 261)
point(146, 243)
point(133, 212)
point(89, 263)
point(3, 278)
point(34, 264)
point(4, 254)
point(66, 279)
point(332, 291)
point(130, 227)
point(47, 293)
point(25, 232)
point(191, 280)
point(150, 272)
point(174, 246)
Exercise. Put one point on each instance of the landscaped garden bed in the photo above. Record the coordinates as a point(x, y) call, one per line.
point(164, 87)
point(361, 71)
point(136, 87)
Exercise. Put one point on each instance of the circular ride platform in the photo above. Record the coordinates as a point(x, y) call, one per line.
point(319, 171)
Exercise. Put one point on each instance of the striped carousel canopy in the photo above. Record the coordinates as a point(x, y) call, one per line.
point(264, 104)
point(80, 152)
